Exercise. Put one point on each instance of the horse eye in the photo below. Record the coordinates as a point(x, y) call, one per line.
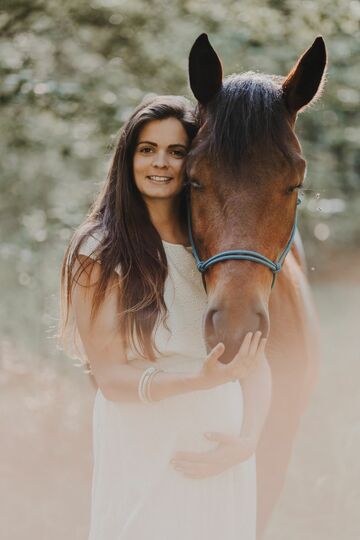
point(195, 184)
point(291, 189)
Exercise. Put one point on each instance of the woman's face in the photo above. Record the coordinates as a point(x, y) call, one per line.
point(158, 159)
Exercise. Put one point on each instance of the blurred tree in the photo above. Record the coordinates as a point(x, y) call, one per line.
point(71, 73)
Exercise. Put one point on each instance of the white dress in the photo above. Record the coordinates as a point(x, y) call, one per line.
point(136, 492)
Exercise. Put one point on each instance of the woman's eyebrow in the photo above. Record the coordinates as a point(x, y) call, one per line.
point(147, 142)
point(170, 145)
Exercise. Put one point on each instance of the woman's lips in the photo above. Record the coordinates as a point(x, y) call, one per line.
point(160, 179)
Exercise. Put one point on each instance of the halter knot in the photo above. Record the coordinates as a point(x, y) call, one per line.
point(201, 266)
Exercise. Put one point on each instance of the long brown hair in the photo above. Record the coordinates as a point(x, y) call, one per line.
point(127, 238)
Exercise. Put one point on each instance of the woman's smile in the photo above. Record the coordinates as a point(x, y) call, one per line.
point(160, 179)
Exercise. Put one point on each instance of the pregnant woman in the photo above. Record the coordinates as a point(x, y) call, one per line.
point(174, 429)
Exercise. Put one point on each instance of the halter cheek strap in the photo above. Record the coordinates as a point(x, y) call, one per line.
point(243, 254)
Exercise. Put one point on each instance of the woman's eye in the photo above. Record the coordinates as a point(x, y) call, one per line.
point(179, 153)
point(195, 184)
point(146, 149)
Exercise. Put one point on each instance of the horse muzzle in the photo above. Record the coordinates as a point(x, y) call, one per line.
point(229, 323)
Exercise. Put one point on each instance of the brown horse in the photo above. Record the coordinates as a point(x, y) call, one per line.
point(245, 168)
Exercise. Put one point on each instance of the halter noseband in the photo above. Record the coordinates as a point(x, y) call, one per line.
point(242, 254)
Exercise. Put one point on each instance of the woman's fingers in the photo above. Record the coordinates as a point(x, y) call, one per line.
point(258, 356)
point(250, 352)
point(244, 348)
point(215, 354)
point(222, 438)
point(248, 357)
point(261, 348)
point(254, 343)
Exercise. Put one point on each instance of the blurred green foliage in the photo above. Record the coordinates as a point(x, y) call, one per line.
point(72, 71)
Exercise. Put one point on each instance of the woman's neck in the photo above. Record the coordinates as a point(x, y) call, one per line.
point(165, 216)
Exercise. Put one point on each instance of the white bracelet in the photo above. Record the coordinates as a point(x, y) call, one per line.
point(148, 385)
point(144, 384)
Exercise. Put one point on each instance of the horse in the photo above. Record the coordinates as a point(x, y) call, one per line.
point(245, 169)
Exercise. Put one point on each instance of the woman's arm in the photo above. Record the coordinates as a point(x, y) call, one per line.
point(104, 347)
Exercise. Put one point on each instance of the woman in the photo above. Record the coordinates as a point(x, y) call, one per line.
point(134, 301)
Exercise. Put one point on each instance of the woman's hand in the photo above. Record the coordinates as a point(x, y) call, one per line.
point(244, 362)
point(229, 451)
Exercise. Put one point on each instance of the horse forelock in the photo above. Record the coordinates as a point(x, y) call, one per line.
point(247, 118)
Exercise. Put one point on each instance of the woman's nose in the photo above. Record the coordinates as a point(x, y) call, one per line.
point(160, 160)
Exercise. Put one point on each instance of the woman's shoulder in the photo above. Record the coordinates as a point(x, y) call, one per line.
point(90, 245)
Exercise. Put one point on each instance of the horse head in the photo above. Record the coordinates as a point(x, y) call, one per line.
point(245, 169)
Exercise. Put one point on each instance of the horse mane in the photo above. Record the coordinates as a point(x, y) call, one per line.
point(247, 116)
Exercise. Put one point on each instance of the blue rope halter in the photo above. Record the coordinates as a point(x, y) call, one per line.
point(242, 254)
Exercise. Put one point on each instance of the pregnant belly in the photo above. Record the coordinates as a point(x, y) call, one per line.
point(178, 422)
point(219, 409)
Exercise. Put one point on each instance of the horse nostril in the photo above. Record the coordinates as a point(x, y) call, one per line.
point(209, 323)
point(263, 324)
point(210, 326)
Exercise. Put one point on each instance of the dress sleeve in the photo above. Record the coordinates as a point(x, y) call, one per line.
point(72, 343)
point(90, 245)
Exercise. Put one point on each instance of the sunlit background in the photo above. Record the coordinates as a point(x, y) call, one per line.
point(71, 72)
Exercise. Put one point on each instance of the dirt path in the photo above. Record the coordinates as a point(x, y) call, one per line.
point(45, 455)
point(45, 465)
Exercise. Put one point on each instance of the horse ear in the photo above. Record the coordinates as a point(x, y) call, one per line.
point(305, 79)
point(205, 70)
